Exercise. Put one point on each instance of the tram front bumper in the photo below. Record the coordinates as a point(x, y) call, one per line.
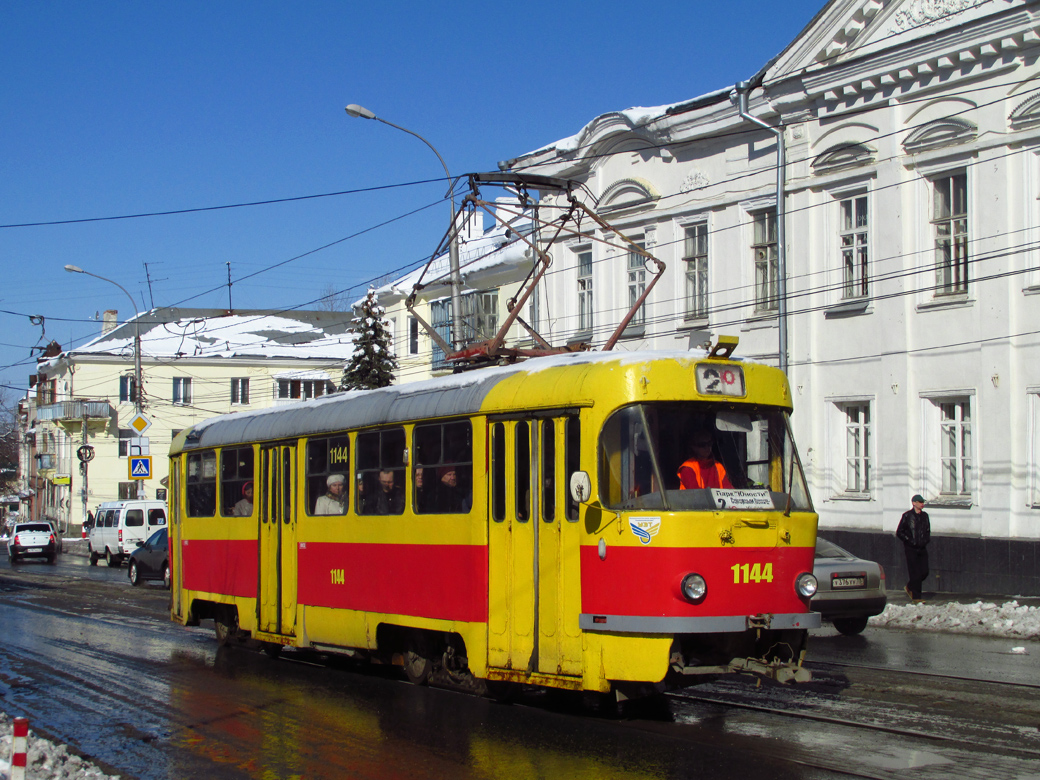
point(726, 624)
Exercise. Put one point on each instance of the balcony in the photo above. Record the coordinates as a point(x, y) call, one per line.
point(70, 414)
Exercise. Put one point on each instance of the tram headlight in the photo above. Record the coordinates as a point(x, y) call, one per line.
point(694, 588)
point(806, 585)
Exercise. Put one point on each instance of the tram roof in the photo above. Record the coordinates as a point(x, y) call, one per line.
point(450, 396)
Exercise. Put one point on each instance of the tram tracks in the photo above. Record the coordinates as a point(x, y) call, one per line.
point(937, 725)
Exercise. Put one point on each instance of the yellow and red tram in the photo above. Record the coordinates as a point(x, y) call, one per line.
point(523, 523)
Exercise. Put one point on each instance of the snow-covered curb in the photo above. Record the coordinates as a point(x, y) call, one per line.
point(983, 618)
point(45, 760)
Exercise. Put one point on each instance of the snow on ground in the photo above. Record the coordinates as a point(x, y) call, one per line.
point(983, 618)
point(45, 760)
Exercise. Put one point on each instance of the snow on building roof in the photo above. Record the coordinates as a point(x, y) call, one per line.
point(213, 333)
point(496, 249)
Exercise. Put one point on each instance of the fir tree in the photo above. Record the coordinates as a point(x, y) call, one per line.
point(373, 363)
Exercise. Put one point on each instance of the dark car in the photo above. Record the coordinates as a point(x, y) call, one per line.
point(32, 540)
point(151, 560)
point(851, 589)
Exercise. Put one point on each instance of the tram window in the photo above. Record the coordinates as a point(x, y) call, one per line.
point(236, 472)
point(573, 462)
point(380, 472)
point(645, 447)
point(443, 468)
point(498, 472)
point(201, 485)
point(523, 472)
point(328, 460)
point(548, 470)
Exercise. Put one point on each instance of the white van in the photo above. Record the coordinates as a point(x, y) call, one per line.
point(120, 525)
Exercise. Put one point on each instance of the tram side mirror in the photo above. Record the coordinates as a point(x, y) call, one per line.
point(733, 422)
point(581, 486)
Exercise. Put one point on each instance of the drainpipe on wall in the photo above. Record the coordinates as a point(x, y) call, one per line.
point(742, 89)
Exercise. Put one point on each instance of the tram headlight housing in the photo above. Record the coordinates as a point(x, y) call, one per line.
point(806, 585)
point(694, 588)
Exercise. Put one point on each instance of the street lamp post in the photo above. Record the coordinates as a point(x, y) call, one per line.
point(453, 247)
point(138, 404)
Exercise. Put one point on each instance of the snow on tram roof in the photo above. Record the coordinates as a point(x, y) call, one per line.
point(447, 396)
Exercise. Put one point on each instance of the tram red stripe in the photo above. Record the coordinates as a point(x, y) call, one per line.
point(227, 566)
point(446, 582)
point(646, 581)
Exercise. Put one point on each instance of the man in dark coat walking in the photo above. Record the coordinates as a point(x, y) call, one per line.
point(915, 532)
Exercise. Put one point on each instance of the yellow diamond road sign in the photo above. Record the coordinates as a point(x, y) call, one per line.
point(140, 423)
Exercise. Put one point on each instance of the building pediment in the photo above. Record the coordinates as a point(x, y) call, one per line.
point(940, 133)
point(1026, 113)
point(850, 29)
point(628, 193)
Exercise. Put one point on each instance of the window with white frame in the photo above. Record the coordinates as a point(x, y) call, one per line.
point(125, 435)
point(479, 320)
point(182, 390)
point(585, 318)
point(695, 259)
point(413, 336)
point(765, 250)
point(126, 388)
point(858, 477)
point(955, 446)
point(637, 283)
point(240, 390)
point(853, 241)
point(290, 389)
point(950, 227)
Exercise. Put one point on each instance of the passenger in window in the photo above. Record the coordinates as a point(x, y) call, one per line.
point(334, 502)
point(423, 493)
point(701, 470)
point(450, 497)
point(388, 499)
point(244, 507)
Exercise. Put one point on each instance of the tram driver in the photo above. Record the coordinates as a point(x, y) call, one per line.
point(334, 502)
point(701, 469)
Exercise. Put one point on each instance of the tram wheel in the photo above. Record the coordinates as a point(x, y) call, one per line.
point(417, 668)
point(850, 626)
point(225, 624)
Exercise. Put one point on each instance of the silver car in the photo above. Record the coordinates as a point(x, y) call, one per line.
point(850, 590)
point(32, 540)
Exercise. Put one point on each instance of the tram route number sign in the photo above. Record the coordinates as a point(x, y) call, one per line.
point(140, 467)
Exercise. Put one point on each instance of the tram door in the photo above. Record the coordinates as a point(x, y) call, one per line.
point(277, 586)
point(527, 554)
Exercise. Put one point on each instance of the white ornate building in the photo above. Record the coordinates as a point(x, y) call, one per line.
point(906, 305)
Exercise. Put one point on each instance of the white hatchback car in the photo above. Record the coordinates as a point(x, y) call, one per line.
point(33, 539)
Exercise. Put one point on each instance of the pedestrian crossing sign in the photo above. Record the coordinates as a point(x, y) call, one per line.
point(141, 467)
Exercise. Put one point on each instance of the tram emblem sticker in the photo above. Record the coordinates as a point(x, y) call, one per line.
point(645, 528)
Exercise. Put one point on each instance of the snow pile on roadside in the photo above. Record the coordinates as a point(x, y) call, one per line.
point(45, 760)
point(982, 618)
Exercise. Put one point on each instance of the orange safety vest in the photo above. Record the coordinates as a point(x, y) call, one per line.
point(703, 475)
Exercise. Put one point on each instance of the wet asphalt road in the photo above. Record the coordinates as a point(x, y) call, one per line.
point(96, 664)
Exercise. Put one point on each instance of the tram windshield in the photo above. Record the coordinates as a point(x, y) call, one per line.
point(698, 456)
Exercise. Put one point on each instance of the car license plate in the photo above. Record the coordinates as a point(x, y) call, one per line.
point(35, 549)
point(846, 581)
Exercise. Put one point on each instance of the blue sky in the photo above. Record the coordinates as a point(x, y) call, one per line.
point(118, 108)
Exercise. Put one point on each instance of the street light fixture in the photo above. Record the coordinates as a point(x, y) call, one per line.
point(453, 246)
point(138, 405)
